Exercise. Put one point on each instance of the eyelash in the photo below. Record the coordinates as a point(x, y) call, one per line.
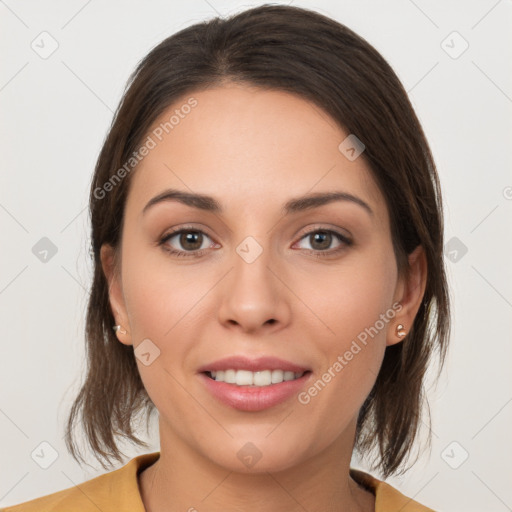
point(346, 242)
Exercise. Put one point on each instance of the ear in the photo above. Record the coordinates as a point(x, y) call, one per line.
point(115, 292)
point(409, 293)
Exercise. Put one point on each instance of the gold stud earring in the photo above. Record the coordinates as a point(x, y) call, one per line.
point(400, 331)
point(117, 329)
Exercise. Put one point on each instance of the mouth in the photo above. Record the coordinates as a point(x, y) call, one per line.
point(261, 378)
point(254, 384)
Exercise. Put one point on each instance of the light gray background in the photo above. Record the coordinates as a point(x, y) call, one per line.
point(55, 113)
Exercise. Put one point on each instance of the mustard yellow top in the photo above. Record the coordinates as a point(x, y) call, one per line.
point(118, 491)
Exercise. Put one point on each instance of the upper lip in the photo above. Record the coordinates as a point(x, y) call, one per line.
point(252, 364)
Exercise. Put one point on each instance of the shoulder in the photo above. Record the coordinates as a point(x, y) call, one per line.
point(387, 498)
point(114, 491)
point(83, 497)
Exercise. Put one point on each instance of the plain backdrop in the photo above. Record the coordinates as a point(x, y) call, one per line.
point(454, 60)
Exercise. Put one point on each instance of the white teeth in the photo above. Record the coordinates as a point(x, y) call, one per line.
point(263, 378)
point(248, 378)
point(230, 376)
point(277, 376)
point(243, 378)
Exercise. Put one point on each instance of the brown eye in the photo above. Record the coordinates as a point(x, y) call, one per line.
point(321, 240)
point(185, 242)
point(191, 240)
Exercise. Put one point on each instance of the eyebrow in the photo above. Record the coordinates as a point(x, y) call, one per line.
point(294, 205)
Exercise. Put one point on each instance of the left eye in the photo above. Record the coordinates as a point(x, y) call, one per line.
point(323, 238)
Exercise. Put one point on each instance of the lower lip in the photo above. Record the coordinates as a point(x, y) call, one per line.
point(254, 398)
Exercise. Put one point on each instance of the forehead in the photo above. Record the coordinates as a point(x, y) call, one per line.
point(248, 147)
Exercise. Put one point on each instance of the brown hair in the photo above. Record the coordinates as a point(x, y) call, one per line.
point(308, 54)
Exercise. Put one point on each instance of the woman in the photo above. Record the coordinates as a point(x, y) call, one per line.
point(267, 237)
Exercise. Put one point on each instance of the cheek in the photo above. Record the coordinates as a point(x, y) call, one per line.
point(160, 296)
point(351, 358)
point(162, 304)
point(353, 312)
point(347, 301)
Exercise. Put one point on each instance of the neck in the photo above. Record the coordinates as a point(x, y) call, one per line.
point(183, 480)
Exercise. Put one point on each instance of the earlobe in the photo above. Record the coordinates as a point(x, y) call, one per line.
point(411, 291)
point(116, 299)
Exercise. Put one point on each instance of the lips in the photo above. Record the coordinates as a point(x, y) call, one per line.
point(244, 382)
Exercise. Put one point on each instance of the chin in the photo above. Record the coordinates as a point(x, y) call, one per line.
point(262, 455)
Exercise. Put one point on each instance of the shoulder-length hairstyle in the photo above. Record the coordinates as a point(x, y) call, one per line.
point(308, 54)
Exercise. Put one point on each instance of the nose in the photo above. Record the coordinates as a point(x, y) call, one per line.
point(253, 296)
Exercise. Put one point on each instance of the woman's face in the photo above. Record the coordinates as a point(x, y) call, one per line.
point(271, 281)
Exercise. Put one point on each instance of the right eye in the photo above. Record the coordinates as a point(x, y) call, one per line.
point(190, 240)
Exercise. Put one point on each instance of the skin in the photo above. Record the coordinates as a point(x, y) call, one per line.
point(253, 150)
